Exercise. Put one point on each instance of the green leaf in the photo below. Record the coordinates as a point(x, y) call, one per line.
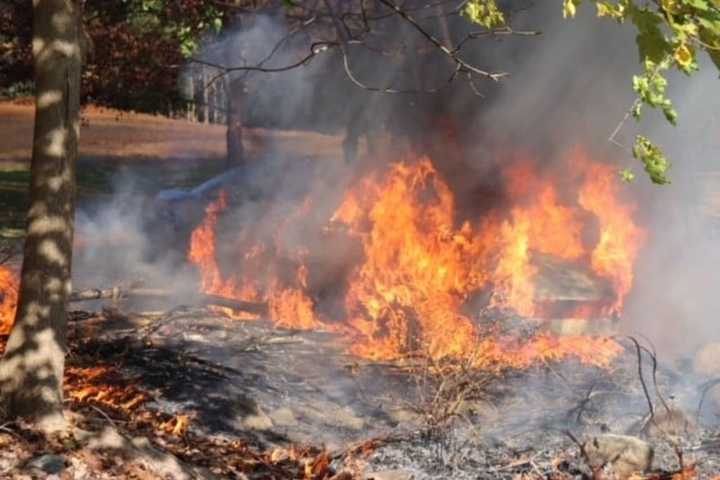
point(570, 8)
point(652, 44)
point(715, 57)
point(655, 162)
point(669, 36)
point(615, 11)
point(670, 115)
point(627, 175)
point(701, 5)
point(710, 36)
point(484, 12)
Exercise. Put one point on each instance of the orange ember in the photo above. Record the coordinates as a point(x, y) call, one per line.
point(8, 299)
point(177, 425)
point(421, 269)
point(100, 385)
point(502, 352)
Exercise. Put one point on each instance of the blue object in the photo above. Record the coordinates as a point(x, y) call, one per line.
point(203, 190)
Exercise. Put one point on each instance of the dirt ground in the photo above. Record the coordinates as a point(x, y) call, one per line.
point(109, 133)
point(132, 137)
point(155, 152)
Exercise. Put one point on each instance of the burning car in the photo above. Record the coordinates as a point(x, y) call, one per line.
point(388, 264)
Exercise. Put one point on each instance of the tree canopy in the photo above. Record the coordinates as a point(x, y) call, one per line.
point(141, 47)
point(670, 34)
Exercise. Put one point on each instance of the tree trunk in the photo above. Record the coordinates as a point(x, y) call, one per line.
point(204, 97)
point(234, 133)
point(190, 97)
point(211, 98)
point(199, 93)
point(31, 371)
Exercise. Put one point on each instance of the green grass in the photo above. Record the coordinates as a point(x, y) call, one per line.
point(98, 179)
point(13, 202)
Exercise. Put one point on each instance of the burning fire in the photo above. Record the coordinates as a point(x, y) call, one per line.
point(8, 299)
point(541, 224)
point(289, 306)
point(422, 269)
point(98, 384)
point(620, 239)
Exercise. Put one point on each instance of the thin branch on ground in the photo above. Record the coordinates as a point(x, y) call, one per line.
point(595, 472)
point(705, 389)
point(653, 356)
point(639, 351)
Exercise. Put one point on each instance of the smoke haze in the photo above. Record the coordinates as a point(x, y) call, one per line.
point(570, 86)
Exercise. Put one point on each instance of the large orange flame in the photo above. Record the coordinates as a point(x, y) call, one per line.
point(8, 299)
point(422, 269)
point(289, 306)
point(415, 278)
point(620, 239)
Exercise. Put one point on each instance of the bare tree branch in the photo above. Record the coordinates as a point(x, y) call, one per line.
point(507, 30)
point(464, 66)
point(276, 48)
point(347, 34)
point(357, 82)
point(315, 49)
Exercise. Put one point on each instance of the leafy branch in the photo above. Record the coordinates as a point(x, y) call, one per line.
point(670, 33)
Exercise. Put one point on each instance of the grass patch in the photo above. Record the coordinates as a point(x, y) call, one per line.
point(13, 201)
point(97, 179)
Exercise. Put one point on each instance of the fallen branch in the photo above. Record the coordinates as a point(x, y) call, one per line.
point(250, 307)
point(117, 293)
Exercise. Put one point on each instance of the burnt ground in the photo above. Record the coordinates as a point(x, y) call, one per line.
point(247, 380)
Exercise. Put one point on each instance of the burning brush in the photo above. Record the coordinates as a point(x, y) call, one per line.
point(415, 286)
point(8, 299)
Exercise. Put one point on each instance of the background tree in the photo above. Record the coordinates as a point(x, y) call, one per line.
point(31, 370)
point(15, 55)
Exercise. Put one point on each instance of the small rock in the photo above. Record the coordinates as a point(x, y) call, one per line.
point(389, 475)
point(403, 415)
point(473, 408)
point(707, 364)
point(674, 423)
point(49, 463)
point(259, 421)
point(707, 360)
point(283, 416)
point(624, 454)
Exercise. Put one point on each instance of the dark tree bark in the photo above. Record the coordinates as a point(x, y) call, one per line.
point(31, 371)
